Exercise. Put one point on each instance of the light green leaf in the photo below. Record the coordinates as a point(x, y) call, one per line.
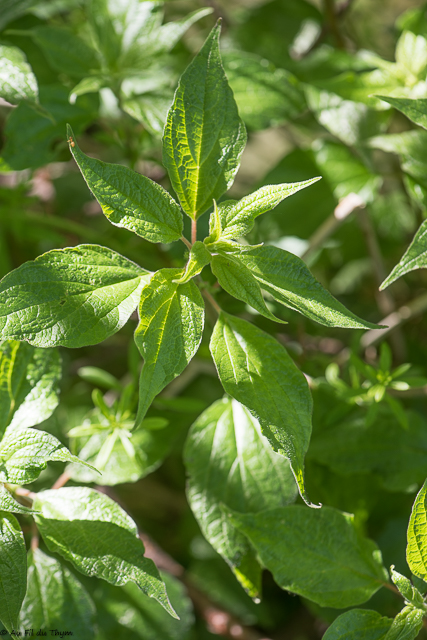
point(238, 218)
point(204, 136)
point(91, 84)
point(414, 109)
point(416, 550)
point(266, 96)
point(24, 453)
point(66, 52)
point(29, 384)
point(406, 625)
point(70, 297)
point(13, 570)
point(169, 332)
point(92, 532)
point(150, 109)
point(407, 589)
point(129, 199)
point(167, 36)
point(359, 624)
point(9, 504)
point(318, 554)
point(258, 372)
point(239, 282)
point(411, 57)
point(17, 80)
point(229, 461)
point(125, 613)
point(414, 258)
point(55, 599)
point(198, 259)
point(288, 280)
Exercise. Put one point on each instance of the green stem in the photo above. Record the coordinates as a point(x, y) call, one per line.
point(212, 301)
point(331, 18)
point(185, 241)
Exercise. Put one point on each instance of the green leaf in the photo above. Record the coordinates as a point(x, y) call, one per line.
point(150, 109)
point(34, 137)
point(12, 9)
point(359, 624)
point(266, 96)
point(407, 589)
point(93, 533)
point(318, 554)
point(55, 599)
point(239, 282)
point(169, 332)
point(258, 372)
point(66, 52)
point(406, 625)
point(70, 297)
point(129, 199)
point(24, 453)
point(414, 258)
point(29, 384)
point(204, 136)
point(289, 281)
point(17, 80)
point(9, 504)
point(238, 218)
point(416, 550)
point(198, 259)
point(167, 36)
point(150, 449)
point(229, 461)
point(126, 613)
point(414, 109)
point(13, 570)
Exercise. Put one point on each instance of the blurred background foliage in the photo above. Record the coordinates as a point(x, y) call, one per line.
point(305, 75)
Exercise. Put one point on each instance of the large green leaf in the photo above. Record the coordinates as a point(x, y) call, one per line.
point(238, 218)
point(258, 372)
point(318, 554)
point(229, 461)
point(168, 334)
point(125, 614)
point(17, 80)
point(359, 624)
point(13, 570)
point(29, 384)
point(204, 136)
point(266, 96)
point(55, 599)
point(414, 109)
point(239, 282)
point(416, 551)
point(129, 199)
point(396, 456)
point(406, 625)
point(93, 533)
point(66, 52)
point(288, 280)
point(415, 257)
point(24, 453)
point(9, 504)
point(70, 297)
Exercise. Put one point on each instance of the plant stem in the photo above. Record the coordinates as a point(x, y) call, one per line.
point(331, 19)
point(212, 300)
point(62, 480)
point(193, 231)
point(391, 587)
point(185, 241)
point(25, 493)
point(34, 537)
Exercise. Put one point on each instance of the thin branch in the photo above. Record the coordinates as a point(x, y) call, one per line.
point(391, 587)
point(34, 537)
point(212, 301)
point(395, 320)
point(61, 481)
point(25, 493)
point(331, 19)
point(193, 231)
point(185, 241)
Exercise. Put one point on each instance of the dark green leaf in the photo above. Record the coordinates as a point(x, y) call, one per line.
point(169, 332)
point(17, 80)
point(415, 110)
point(229, 461)
point(70, 297)
point(66, 52)
point(93, 533)
point(258, 372)
point(317, 554)
point(55, 599)
point(289, 281)
point(359, 624)
point(204, 136)
point(129, 199)
point(13, 570)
